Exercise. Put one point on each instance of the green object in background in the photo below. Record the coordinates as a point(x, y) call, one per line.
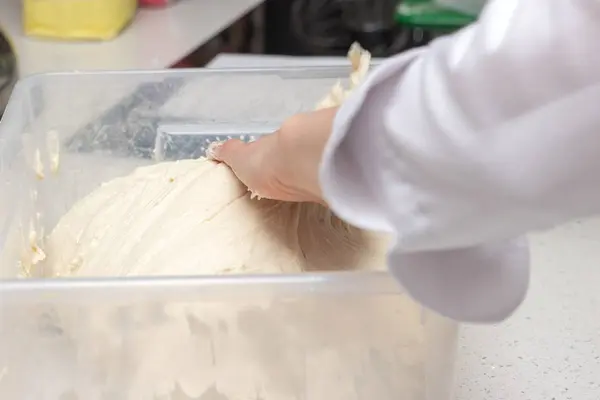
point(427, 14)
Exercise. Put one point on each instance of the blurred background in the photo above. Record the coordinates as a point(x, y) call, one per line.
point(39, 36)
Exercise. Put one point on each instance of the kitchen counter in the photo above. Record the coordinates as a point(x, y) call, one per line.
point(550, 349)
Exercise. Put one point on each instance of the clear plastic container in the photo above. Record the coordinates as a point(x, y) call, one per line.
point(318, 336)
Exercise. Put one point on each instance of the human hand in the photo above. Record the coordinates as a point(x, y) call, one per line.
point(283, 165)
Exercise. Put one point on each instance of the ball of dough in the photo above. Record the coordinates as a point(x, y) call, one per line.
point(194, 217)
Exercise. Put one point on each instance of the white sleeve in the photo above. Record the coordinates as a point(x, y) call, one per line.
point(460, 146)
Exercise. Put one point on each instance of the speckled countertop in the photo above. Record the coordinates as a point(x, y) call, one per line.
point(550, 349)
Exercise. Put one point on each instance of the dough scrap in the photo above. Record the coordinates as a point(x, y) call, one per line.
point(360, 60)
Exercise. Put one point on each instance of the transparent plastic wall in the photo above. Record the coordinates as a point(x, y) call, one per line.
point(318, 336)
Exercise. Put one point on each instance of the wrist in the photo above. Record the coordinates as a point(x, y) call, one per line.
point(302, 140)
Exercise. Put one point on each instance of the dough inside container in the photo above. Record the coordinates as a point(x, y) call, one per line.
point(193, 217)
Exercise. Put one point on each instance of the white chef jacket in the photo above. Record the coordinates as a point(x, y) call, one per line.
point(460, 147)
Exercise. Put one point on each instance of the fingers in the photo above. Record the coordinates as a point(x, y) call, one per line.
point(229, 152)
point(235, 154)
point(262, 167)
point(244, 159)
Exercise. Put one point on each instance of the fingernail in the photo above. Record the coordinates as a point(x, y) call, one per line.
point(213, 150)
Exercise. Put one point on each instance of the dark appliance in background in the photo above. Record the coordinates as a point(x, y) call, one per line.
point(8, 71)
point(328, 27)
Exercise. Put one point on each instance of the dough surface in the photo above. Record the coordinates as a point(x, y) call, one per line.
point(193, 217)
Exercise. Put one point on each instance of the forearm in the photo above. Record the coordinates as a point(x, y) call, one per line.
point(301, 141)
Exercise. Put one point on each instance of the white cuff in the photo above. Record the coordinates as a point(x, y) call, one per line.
point(483, 284)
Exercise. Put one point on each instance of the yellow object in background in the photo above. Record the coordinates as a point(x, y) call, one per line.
point(77, 19)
